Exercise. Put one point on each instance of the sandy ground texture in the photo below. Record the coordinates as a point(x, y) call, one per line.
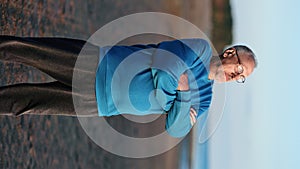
point(60, 142)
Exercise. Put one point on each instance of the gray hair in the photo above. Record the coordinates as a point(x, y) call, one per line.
point(248, 51)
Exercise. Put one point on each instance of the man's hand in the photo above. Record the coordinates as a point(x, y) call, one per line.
point(193, 116)
point(183, 83)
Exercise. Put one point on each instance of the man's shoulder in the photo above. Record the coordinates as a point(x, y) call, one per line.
point(198, 46)
point(196, 43)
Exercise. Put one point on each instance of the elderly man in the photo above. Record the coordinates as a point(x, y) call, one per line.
point(175, 78)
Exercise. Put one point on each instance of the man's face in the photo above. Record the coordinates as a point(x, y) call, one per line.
point(235, 66)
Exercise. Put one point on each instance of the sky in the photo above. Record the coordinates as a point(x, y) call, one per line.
point(261, 121)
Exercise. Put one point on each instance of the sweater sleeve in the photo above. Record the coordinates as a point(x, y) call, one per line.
point(178, 118)
point(180, 56)
point(176, 103)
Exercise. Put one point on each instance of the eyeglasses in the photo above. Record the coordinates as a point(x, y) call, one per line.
point(239, 70)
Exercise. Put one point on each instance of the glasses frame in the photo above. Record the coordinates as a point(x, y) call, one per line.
point(241, 78)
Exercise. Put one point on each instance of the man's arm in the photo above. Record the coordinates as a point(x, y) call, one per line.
point(183, 85)
point(175, 99)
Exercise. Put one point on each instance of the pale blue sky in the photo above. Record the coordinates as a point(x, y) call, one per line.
point(261, 122)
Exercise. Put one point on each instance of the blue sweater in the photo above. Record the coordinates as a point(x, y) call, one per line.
point(143, 79)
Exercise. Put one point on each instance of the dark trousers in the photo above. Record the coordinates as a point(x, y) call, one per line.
point(57, 58)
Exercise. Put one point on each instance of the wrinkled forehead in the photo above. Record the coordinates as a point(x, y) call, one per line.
point(247, 61)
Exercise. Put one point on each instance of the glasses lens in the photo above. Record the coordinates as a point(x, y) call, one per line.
point(241, 79)
point(240, 69)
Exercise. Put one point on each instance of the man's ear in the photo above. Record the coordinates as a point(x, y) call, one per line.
point(229, 52)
